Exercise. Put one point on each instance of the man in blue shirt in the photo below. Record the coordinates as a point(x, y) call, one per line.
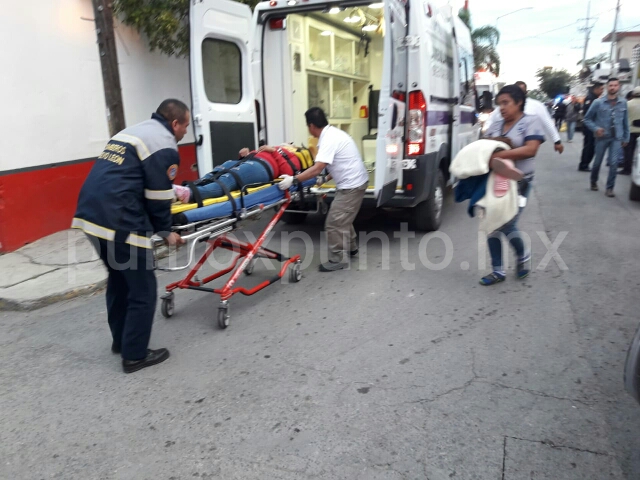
point(607, 119)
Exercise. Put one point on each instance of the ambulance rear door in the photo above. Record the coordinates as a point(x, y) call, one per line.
point(222, 90)
point(392, 104)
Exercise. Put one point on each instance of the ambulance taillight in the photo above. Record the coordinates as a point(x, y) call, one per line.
point(417, 123)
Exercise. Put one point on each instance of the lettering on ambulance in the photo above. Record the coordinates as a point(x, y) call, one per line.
point(441, 61)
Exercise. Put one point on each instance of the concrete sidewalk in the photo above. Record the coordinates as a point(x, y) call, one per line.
point(58, 267)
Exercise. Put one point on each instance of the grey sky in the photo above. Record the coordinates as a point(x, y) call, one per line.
point(522, 52)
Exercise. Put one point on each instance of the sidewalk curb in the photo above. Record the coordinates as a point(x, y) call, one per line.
point(8, 305)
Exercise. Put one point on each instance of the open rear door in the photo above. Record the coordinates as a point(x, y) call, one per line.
point(222, 90)
point(392, 105)
point(463, 126)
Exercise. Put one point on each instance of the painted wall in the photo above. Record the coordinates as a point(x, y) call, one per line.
point(58, 124)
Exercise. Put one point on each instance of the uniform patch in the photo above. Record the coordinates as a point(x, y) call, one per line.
point(172, 172)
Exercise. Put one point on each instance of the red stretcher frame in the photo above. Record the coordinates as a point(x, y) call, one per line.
point(247, 252)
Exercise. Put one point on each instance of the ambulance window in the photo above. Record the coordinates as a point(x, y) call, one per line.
point(221, 68)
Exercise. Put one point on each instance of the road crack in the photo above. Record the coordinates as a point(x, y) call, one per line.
point(550, 443)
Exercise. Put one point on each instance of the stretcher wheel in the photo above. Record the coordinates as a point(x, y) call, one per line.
point(223, 317)
point(167, 306)
point(250, 266)
point(295, 273)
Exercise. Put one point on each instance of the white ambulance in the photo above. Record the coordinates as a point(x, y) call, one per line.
point(398, 76)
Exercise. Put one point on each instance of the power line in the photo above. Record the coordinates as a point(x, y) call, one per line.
point(559, 28)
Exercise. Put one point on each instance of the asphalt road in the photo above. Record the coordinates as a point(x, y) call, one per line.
point(381, 372)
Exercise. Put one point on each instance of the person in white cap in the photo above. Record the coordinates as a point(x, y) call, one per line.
point(633, 106)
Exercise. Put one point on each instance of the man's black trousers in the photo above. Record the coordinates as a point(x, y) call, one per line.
point(588, 147)
point(131, 295)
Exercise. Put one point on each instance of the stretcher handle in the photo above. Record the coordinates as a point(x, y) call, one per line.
point(246, 187)
point(194, 238)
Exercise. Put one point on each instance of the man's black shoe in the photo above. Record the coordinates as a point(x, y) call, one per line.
point(584, 169)
point(353, 253)
point(115, 348)
point(624, 172)
point(153, 358)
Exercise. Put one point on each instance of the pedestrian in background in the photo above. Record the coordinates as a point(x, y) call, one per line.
point(634, 129)
point(561, 111)
point(573, 111)
point(608, 119)
point(588, 144)
point(533, 107)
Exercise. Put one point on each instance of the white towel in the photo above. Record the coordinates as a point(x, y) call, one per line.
point(473, 159)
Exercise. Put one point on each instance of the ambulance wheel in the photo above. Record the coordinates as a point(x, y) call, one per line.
point(223, 317)
point(634, 193)
point(250, 266)
point(167, 306)
point(428, 214)
point(293, 218)
point(632, 367)
point(295, 273)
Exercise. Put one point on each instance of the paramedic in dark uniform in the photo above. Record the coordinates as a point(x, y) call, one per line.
point(125, 199)
point(338, 153)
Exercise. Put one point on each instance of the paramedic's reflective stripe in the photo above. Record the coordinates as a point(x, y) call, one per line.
point(138, 241)
point(93, 229)
point(141, 148)
point(158, 194)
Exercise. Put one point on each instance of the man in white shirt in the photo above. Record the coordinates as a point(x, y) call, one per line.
point(338, 153)
point(534, 107)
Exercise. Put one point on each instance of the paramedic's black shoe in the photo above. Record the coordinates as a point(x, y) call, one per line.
point(353, 253)
point(332, 266)
point(594, 187)
point(153, 358)
point(584, 169)
point(115, 348)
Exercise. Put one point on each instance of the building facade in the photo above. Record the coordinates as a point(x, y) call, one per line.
point(55, 121)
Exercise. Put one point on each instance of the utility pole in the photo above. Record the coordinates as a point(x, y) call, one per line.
point(103, 12)
point(587, 33)
point(614, 36)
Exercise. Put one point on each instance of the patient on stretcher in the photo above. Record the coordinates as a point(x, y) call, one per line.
point(254, 167)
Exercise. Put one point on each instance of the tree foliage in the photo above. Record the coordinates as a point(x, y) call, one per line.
point(485, 44)
point(538, 95)
point(165, 23)
point(553, 82)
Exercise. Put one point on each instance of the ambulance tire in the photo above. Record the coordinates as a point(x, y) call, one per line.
point(632, 368)
point(428, 214)
point(294, 218)
point(634, 193)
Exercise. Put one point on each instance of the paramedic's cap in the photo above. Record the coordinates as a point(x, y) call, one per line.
point(636, 92)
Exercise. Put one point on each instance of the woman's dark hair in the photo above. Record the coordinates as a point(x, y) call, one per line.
point(315, 116)
point(515, 92)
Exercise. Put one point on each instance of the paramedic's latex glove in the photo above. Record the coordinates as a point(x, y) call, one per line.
point(287, 181)
point(559, 148)
point(174, 240)
point(244, 152)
